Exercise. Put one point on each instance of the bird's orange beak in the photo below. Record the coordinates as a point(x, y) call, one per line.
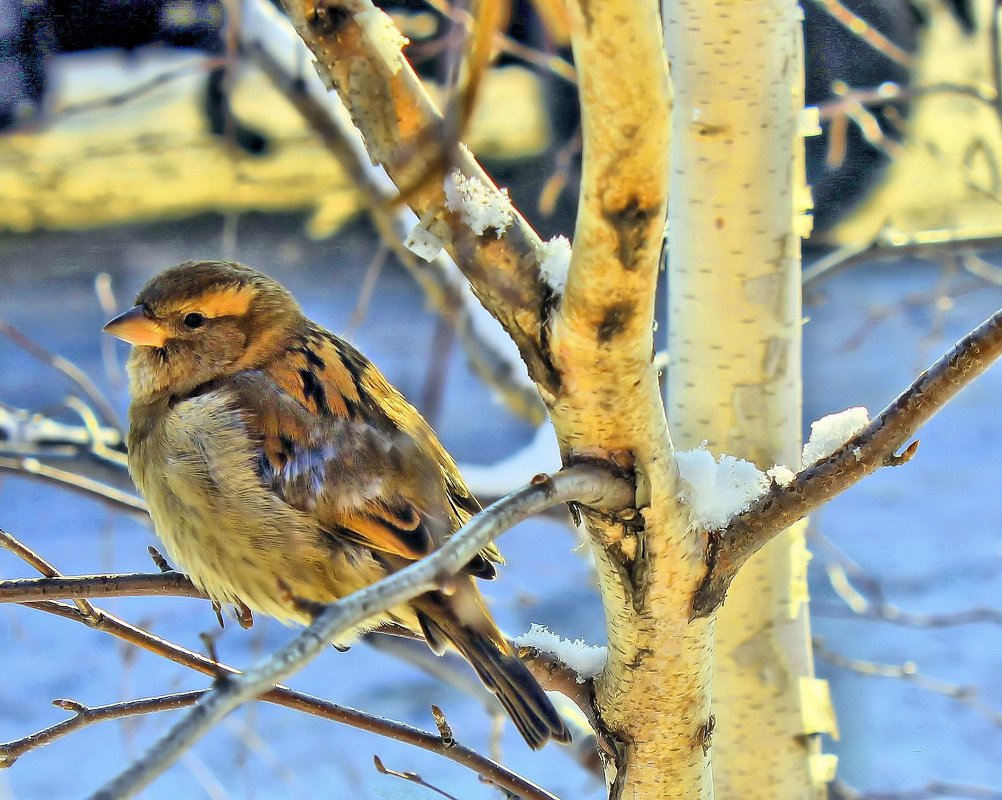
point(136, 328)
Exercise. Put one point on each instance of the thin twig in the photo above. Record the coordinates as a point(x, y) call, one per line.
point(109, 305)
point(282, 696)
point(891, 245)
point(68, 368)
point(411, 777)
point(35, 560)
point(550, 62)
point(86, 715)
point(863, 454)
point(909, 673)
point(865, 32)
point(864, 595)
point(586, 484)
point(128, 95)
point(116, 498)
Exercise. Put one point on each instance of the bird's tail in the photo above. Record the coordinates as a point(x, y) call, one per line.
point(481, 643)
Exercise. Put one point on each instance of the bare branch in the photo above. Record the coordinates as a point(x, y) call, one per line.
point(29, 556)
point(490, 770)
point(85, 715)
point(18, 426)
point(860, 28)
point(269, 39)
point(891, 245)
point(731, 546)
point(403, 130)
point(547, 61)
point(68, 368)
point(586, 484)
point(116, 498)
point(909, 673)
point(25, 590)
point(864, 595)
point(411, 777)
point(602, 332)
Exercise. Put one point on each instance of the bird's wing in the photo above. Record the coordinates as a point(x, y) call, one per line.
point(336, 440)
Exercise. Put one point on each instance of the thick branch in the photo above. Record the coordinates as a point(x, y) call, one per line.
point(602, 334)
point(863, 454)
point(585, 484)
point(268, 37)
point(404, 132)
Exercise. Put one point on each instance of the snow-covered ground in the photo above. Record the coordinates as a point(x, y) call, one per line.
point(930, 530)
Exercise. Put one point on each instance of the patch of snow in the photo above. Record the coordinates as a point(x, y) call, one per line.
point(585, 659)
point(423, 243)
point(781, 474)
point(384, 35)
point(480, 205)
point(716, 490)
point(829, 433)
point(555, 261)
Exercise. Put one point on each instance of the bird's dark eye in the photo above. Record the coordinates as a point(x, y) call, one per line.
point(194, 320)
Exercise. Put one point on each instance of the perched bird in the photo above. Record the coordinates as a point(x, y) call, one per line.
point(282, 469)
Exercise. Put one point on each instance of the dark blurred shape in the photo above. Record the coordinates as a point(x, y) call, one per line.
point(841, 164)
point(35, 30)
point(962, 9)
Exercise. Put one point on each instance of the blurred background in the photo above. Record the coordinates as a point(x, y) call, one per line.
point(134, 135)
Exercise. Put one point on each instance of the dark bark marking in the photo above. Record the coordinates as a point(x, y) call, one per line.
point(615, 320)
point(630, 224)
point(326, 20)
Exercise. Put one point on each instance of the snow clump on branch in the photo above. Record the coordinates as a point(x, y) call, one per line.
point(718, 489)
point(480, 206)
point(831, 432)
point(585, 659)
point(554, 262)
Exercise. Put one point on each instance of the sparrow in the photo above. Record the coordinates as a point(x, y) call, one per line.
point(283, 470)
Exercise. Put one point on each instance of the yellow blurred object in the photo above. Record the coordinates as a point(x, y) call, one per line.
point(152, 156)
point(945, 175)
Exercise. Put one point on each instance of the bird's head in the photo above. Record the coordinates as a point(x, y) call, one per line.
point(201, 321)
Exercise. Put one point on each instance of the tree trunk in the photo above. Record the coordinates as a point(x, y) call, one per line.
point(737, 212)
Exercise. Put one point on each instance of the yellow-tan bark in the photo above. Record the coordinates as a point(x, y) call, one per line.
point(652, 697)
point(735, 223)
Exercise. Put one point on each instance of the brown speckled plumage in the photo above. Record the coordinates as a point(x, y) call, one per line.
point(279, 464)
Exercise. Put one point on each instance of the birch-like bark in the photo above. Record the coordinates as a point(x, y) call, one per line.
point(736, 218)
point(652, 699)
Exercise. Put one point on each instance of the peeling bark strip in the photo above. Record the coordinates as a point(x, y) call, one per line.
point(404, 131)
point(864, 453)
